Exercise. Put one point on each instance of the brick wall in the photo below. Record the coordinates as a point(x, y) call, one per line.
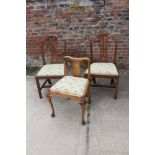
point(77, 23)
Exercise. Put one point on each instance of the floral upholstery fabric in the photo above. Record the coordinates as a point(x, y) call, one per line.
point(70, 85)
point(103, 69)
point(52, 70)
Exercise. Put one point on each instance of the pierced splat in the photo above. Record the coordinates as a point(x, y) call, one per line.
point(51, 43)
point(103, 39)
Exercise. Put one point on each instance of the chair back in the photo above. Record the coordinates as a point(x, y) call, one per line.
point(76, 69)
point(51, 44)
point(103, 40)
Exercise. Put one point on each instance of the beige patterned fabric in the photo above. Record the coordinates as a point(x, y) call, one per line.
point(103, 69)
point(70, 85)
point(52, 70)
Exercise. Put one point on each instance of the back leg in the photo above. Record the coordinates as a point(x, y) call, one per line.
point(94, 80)
point(116, 88)
point(112, 82)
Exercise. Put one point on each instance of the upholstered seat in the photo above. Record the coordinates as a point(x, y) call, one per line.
point(55, 70)
point(107, 69)
point(52, 70)
point(71, 85)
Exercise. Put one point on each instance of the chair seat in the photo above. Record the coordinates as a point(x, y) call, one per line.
point(52, 70)
point(70, 85)
point(107, 69)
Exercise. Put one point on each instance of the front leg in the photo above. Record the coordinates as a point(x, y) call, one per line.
point(51, 105)
point(39, 88)
point(83, 108)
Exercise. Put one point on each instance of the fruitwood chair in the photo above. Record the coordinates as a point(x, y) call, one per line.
point(72, 86)
point(54, 70)
point(101, 67)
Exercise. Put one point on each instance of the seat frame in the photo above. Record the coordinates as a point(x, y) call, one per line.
point(77, 73)
point(103, 40)
point(52, 42)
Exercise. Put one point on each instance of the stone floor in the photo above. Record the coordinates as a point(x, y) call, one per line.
point(106, 133)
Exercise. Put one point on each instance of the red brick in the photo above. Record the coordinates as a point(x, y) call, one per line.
point(79, 30)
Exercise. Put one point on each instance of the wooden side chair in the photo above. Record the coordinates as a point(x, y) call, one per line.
point(54, 70)
point(101, 67)
point(72, 86)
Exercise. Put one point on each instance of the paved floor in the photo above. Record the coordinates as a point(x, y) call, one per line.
point(106, 134)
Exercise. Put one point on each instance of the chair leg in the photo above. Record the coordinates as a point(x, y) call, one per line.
point(116, 88)
point(38, 86)
point(94, 80)
point(83, 108)
point(89, 94)
point(51, 105)
point(112, 82)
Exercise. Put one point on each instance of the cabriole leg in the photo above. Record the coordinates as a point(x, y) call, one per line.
point(83, 109)
point(51, 105)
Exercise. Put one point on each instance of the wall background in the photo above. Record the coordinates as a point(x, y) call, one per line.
point(77, 21)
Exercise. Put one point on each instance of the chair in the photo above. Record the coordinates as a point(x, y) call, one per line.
point(54, 70)
point(101, 67)
point(72, 86)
